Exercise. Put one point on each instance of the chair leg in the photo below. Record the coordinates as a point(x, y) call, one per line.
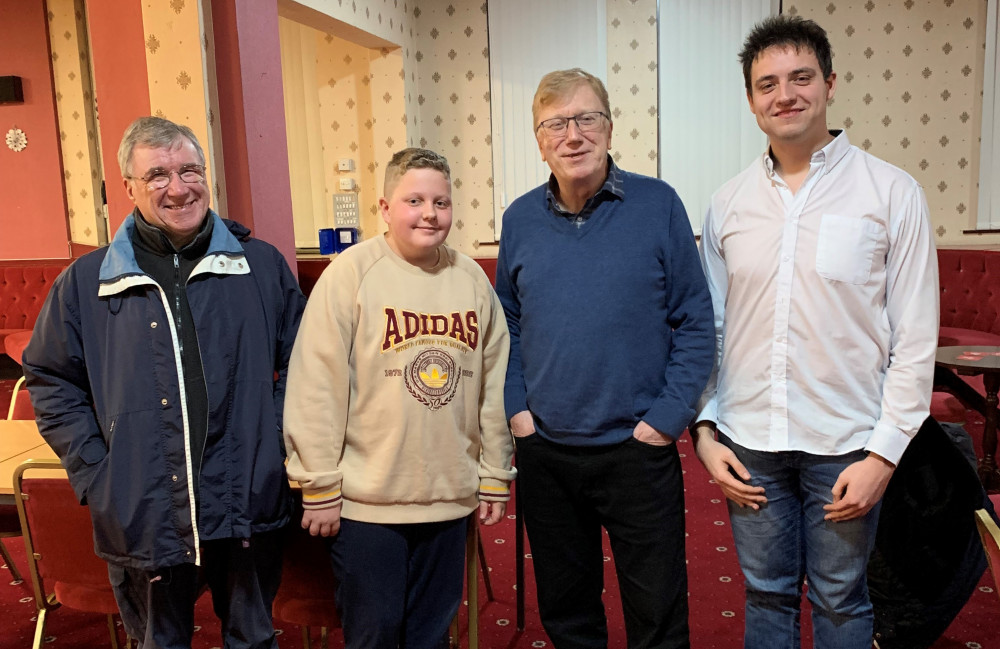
point(18, 579)
point(113, 631)
point(324, 638)
point(485, 569)
point(519, 561)
point(39, 630)
point(306, 642)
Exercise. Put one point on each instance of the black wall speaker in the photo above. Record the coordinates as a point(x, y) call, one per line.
point(10, 90)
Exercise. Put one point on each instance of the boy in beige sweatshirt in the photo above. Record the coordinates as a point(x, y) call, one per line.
point(394, 420)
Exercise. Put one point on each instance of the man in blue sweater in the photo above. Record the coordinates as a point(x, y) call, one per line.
point(611, 344)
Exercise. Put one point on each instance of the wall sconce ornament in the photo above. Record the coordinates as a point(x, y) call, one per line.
point(17, 141)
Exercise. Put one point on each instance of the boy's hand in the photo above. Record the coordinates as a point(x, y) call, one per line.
point(322, 522)
point(859, 488)
point(722, 464)
point(491, 513)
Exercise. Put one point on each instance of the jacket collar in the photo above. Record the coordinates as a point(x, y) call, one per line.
point(120, 271)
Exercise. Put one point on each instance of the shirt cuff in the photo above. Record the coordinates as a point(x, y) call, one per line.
point(888, 442)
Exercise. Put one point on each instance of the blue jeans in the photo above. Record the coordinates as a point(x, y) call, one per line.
point(788, 540)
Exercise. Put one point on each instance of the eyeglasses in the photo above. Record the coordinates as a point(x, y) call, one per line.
point(158, 178)
point(585, 122)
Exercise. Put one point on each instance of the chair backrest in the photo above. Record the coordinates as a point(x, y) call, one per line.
point(990, 535)
point(20, 404)
point(306, 594)
point(59, 537)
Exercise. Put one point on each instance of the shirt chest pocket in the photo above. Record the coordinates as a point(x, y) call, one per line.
point(845, 248)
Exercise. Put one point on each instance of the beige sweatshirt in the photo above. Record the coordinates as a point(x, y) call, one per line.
point(394, 403)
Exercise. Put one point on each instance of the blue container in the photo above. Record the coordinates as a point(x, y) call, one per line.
point(326, 242)
point(346, 237)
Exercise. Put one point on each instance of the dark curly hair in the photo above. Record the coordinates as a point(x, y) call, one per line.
point(786, 31)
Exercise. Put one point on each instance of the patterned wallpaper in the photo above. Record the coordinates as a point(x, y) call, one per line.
point(909, 83)
point(909, 86)
point(77, 120)
point(175, 52)
point(447, 87)
point(453, 111)
point(632, 83)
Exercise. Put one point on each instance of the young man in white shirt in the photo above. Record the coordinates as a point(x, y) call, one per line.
point(823, 274)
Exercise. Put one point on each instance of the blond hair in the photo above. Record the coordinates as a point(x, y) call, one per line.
point(413, 158)
point(561, 83)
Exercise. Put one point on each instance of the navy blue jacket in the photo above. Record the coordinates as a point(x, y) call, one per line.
point(104, 374)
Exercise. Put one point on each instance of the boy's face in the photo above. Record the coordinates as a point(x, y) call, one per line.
point(418, 214)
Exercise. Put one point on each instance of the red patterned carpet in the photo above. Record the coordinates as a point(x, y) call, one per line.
point(716, 591)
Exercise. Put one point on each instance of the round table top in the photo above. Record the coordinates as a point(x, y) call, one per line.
point(980, 359)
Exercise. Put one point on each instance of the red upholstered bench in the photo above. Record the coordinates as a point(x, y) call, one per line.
point(24, 286)
point(970, 303)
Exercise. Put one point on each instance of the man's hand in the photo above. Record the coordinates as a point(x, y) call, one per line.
point(522, 424)
point(859, 488)
point(322, 522)
point(721, 464)
point(649, 435)
point(491, 513)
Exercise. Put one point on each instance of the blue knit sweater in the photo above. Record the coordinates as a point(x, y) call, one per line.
point(610, 322)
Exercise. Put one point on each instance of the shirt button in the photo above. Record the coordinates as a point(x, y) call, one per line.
point(152, 325)
point(174, 478)
point(163, 402)
point(240, 265)
point(222, 263)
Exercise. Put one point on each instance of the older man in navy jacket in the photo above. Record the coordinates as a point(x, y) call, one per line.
point(157, 372)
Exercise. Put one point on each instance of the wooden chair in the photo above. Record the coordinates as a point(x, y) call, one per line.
point(59, 538)
point(475, 561)
point(20, 403)
point(10, 526)
point(306, 594)
point(989, 533)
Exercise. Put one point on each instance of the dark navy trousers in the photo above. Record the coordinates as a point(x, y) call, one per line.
point(398, 586)
point(157, 607)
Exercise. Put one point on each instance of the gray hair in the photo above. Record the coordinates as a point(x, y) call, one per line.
point(156, 133)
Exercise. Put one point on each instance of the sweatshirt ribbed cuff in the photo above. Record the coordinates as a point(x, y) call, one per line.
point(494, 490)
point(323, 499)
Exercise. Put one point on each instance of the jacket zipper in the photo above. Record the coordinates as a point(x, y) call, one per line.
point(184, 419)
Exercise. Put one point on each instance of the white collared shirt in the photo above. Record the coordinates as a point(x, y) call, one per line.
point(826, 306)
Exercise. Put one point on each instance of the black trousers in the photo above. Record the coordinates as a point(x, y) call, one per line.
point(157, 607)
point(634, 491)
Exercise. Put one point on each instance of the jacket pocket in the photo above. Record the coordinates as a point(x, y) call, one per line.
point(845, 248)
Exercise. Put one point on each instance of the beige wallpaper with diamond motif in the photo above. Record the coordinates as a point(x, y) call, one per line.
point(632, 83)
point(77, 126)
point(175, 52)
point(910, 79)
point(453, 110)
point(909, 91)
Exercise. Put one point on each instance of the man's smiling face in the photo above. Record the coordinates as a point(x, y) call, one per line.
point(179, 208)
